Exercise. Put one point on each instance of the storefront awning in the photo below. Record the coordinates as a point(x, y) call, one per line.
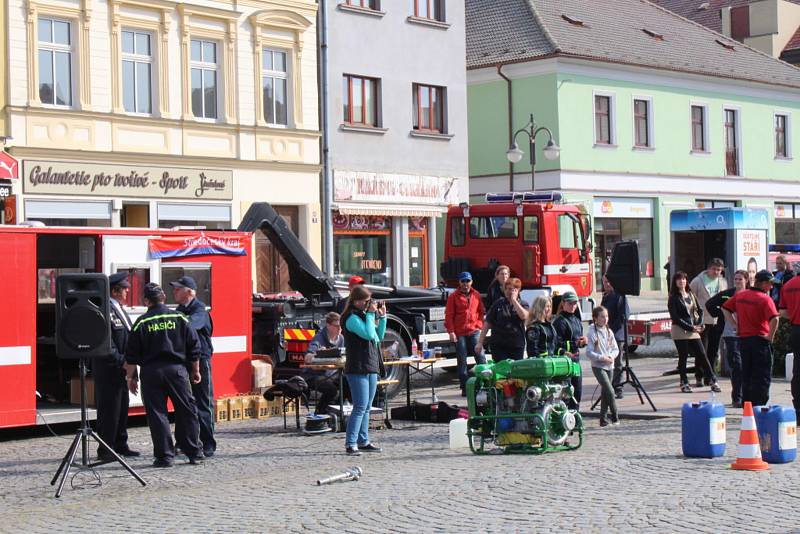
point(390, 210)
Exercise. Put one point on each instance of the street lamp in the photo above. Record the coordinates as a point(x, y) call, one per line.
point(551, 149)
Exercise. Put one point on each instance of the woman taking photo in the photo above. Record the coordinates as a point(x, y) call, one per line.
point(364, 323)
point(687, 324)
point(540, 334)
point(506, 318)
point(741, 280)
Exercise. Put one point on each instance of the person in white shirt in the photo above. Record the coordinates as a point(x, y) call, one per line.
point(602, 350)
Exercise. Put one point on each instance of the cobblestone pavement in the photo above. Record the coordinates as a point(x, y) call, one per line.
point(630, 478)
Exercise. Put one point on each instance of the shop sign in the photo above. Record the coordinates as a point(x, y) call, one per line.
point(625, 208)
point(360, 222)
point(5, 191)
point(718, 219)
point(10, 209)
point(118, 180)
point(394, 188)
point(368, 264)
point(178, 247)
point(9, 167)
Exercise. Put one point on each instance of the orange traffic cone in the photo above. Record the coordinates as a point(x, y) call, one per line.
point(748, 456)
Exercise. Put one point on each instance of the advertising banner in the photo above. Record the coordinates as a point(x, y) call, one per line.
point(177, 247)
point(751, 250)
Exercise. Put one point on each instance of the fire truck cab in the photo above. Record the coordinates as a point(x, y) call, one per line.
point(544, 241)
point(36, 386)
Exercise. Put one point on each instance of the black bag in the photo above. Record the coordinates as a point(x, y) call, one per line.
point(444, 413)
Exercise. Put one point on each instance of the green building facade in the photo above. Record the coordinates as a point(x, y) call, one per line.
point(637, 140)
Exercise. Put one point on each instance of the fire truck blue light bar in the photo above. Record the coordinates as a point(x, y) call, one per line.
point(526, 196)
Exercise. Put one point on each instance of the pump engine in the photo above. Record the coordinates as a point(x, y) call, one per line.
point(522, 406)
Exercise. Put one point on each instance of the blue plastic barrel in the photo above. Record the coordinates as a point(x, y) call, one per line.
point(703, 429)
point(777, 433)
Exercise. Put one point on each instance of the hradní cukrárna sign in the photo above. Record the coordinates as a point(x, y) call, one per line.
point(112, 179)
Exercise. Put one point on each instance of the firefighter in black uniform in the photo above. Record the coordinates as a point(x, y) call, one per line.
point(164, 345)
point(184, 290)
point(110, 387)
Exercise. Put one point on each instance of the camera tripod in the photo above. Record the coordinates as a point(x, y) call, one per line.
point(626, 369)
point(82, 436)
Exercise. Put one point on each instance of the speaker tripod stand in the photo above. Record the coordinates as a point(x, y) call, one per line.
point(626, 369)
point(81, 439)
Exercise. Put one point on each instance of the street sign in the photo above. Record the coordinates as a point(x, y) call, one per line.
point(9, 167)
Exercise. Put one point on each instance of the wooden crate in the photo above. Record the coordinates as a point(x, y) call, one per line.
point(221, 411)
point(250, 406)
point(262, 407)
point(235, 409)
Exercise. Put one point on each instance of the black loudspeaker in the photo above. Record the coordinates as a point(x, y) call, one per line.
point(82, 327)
point(623, 270)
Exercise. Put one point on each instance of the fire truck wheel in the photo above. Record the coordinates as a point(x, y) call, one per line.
point(632, 348)
point(395, 372)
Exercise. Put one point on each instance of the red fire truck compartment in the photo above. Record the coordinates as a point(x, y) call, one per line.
point(34, 383)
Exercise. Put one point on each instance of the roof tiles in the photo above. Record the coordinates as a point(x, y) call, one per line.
point(524, 30)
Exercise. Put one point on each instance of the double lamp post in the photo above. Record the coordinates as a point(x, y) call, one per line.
point(551, 149)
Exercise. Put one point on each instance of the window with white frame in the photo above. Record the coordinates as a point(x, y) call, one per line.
point(642, 123)
point(137, 72)
point(55, 62)
point(204, 68)
point(699, 128)
point(783, 136)
point(274, 84)
point(604, 120)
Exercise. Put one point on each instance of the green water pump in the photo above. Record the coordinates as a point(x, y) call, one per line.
point(522, 406)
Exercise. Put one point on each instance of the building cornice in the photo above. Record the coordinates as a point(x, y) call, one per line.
point(122, 118)
point(635, 74)
point(138, 158)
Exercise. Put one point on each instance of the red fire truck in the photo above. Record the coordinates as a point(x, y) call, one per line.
point(544, 241)
point(35, 385)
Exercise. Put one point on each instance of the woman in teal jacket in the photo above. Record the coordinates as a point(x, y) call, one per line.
point(364, 323)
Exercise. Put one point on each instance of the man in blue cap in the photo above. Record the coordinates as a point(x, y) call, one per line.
point(184, 289)
point(463, 318)
point(110, 385)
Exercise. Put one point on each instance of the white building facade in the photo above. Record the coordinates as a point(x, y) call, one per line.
point(397, 133)
point(153, 113)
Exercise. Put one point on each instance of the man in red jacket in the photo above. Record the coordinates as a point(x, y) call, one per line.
point(463, 318)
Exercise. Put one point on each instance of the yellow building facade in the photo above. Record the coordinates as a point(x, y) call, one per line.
point(153, 113)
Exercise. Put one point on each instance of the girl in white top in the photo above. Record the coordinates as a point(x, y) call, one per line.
point(602, 349)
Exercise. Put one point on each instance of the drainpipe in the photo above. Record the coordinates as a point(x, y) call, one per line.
point(327, 180)
point(510, 104)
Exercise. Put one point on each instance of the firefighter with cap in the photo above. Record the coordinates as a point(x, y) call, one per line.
point(110, 386)
point(165, 346)
point(184, 289)
point(753, 314)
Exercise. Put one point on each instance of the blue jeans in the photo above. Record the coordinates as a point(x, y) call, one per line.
point(465, 345)
point(362, 391)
